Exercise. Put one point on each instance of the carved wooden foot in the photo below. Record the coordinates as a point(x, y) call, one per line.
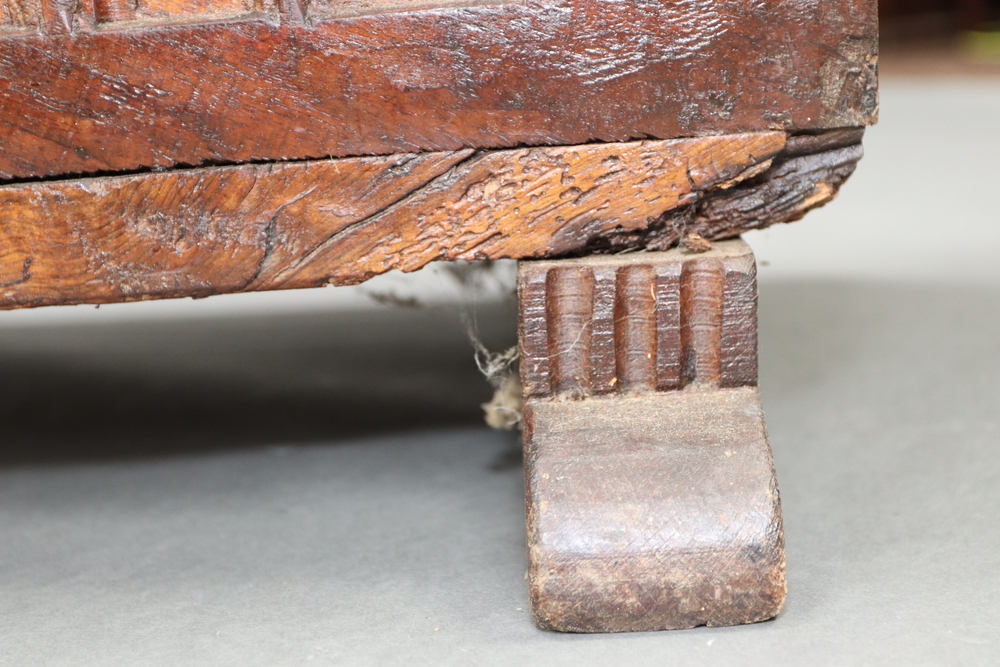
point(652, 501)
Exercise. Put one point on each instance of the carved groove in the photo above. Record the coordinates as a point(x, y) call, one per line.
point(570, 307)
point(701, 320)
point(639, 323)
point(635, 328)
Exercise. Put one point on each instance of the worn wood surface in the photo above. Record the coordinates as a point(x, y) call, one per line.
point(609, 324)
point(652, 501)
point(256, 227)
point(122, 85)
point(341, 221)
point(807, 174)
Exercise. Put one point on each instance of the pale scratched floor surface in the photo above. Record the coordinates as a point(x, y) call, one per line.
point(279, 489)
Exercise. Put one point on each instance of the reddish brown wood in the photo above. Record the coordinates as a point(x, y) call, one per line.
point(652, 501)
point(306, 224)
point(112, 85)
point(257, 227)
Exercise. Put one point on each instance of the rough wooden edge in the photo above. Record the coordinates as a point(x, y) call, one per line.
point(342, 221)
point(807, 174)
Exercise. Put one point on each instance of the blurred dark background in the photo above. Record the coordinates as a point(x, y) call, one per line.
point(966, 14)
point(926, 37)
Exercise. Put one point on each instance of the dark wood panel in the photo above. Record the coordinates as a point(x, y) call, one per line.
point(126, 96)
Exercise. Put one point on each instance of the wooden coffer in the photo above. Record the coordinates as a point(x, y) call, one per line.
point(184, 148)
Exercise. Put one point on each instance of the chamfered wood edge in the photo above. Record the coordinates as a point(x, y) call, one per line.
point(341, 221)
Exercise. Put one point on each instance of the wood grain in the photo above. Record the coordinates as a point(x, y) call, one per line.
point(20, 15)
point(342, 221)
point(652, 500)
point(162, 12)
point(86, 88)
point(807, 174)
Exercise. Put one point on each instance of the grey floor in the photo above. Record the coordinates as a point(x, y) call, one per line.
point(251, 486)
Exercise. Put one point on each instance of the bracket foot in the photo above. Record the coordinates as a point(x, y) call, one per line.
point(652, 500)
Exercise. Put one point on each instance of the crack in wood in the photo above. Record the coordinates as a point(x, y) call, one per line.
point(341, 221)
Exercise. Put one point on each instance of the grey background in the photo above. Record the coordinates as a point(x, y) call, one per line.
point(303, 479)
